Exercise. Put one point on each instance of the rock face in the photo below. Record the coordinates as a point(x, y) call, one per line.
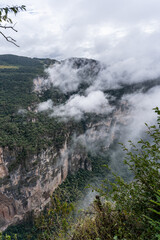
point(3, 168)
point(29, 189)
point(28, 180)
point(27, 184)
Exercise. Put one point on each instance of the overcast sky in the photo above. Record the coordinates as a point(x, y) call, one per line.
point(100, 29)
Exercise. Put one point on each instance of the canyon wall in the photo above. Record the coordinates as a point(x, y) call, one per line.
point(28, 186)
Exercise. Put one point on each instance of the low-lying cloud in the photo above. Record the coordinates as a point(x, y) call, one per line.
point(95, 102)
point(94, 140)
point(110, 74)
point(93, 99)
point(67, 77)
point(45, 106)
point(141, 111)
point(64, 77)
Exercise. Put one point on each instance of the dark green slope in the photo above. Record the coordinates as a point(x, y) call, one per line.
point(27, 132)
point(21, 128)
point(18, 130)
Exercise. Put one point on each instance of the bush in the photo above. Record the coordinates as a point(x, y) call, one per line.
point(132, 217)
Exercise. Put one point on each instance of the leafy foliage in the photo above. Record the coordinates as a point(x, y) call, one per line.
point(7, 237)
point(133, 210)
point(22, 129)
point(7, 23)
point(143, 162)
point(55, 224)
point(4, 12)
point(154, 220)
point(29, 132)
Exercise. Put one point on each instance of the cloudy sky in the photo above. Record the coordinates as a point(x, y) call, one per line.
point(124, 34)
point(101, 29)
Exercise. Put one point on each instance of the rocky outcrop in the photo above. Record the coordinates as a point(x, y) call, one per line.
point(28, 187)
point(3, 168)
point(7, 210)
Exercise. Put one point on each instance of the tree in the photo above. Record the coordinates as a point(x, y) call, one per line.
point(7, 23)
point(143, 162)
point(129, 210)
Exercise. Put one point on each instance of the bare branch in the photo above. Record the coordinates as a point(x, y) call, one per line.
point(9, 27)
point(4, 12)
point(9, 39)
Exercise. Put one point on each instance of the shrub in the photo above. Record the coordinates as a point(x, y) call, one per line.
point(132, 216)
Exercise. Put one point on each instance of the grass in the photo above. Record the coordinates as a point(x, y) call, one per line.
point(10, 67)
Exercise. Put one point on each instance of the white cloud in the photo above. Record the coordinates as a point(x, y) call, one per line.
point(64, 77)
point(124, 34)
point(44, 106)
point(141, 111)
point(94, 140)
point(77, 106)
point(68, 77)
point(61, 29)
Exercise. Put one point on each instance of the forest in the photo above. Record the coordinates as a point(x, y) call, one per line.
point(121, 208)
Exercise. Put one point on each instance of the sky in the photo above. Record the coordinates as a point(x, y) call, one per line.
point(124, 34)
point(108, 30)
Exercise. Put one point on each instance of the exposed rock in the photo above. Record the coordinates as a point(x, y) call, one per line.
point(30, 189)
point(27, 185)
point(3, 168)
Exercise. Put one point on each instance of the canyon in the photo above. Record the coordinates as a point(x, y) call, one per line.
point(29, 175)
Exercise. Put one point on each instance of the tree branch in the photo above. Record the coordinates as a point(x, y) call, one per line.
point(4, 12)
point(9, 27)
point(9, 39)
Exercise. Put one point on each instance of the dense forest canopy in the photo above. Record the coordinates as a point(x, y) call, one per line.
point(28, 131)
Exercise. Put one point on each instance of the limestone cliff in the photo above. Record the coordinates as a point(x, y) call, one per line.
point(28, 186)
point(28, 180)
point(29, 189)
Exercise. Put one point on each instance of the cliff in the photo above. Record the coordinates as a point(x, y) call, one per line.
point(29, 189)
point(50, 121)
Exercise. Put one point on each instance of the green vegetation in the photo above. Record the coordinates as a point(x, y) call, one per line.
point(130, 210)
point(7, 23)
point(69, 193)
point(56, 222)
point(6, 10)
point(26, 132)
point(7, 237)
point(154, 220)
point(123, 211)
point(22, 129)
point(5, 66)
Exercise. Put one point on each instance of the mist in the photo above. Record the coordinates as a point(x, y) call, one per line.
point(142, 112)
point(98, 78)
point(104, 84)
point(132, 59)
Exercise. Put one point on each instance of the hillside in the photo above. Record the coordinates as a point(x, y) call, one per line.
point(56, 117)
